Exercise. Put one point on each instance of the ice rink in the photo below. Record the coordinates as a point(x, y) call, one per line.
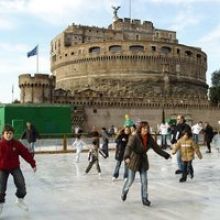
point(60, 191)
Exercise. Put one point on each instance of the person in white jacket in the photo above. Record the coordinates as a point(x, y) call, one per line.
point(163, 130)
point(78, 144)
point(196, 130)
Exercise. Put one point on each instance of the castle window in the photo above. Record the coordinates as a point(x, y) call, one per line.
point(165, 50)
point(137, 37)
point(66, 54)
point(54, 58)
point(94, 50)
point(178, 51)
point(94, 110)
point(136, 48)
point(153, 48)
point(188, 53)
point(72, 53)
point(115, 48)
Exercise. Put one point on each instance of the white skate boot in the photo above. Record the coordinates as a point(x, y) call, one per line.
point(20, 203)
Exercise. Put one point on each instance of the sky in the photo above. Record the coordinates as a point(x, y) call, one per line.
point(27, 23)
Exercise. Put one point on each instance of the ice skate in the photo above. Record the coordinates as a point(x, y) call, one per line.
point(20, 203)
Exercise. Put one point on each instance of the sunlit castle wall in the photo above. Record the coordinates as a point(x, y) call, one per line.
point(36, 89)
point(128, 57)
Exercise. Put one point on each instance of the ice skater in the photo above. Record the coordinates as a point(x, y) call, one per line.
point(187, 148)
point(121, 142)
point(10, 150)
point(105, 141)
point(137, 160)
point(31, 134)
point(78, 144)
point(177, 134)
point(94, 153)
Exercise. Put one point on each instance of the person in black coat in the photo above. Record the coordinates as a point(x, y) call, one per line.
point(208, 130)
point(177, 134)
point(121, 142)
point(31, 135)
point(105, 142)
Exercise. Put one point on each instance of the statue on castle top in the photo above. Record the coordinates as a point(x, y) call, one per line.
point(115, 12)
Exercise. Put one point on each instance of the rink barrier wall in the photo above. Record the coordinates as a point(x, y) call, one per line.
point(63, 143)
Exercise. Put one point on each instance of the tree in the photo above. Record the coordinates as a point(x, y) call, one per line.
point(214, 91)
point(216, 78)
point(214, 95)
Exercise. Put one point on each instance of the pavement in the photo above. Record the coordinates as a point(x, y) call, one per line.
point(59, 190)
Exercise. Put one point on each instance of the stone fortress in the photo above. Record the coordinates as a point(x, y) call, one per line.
point(129, 67)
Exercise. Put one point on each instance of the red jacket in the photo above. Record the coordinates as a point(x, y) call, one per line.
point(9, 154)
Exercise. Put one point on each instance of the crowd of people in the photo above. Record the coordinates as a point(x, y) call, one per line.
point(133, 142)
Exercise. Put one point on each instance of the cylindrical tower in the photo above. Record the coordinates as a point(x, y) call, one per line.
point(133, 57)
point(36, 89)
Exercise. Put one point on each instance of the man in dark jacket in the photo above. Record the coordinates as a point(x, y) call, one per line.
point(208, 136)
point(177, 134)
point(31, 135)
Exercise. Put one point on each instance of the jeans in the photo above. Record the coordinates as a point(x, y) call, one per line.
point(164, 141)
point(196, 138)
point(144, 183)
point(117, 168)
point(179, 161)
point(31, 147)
point(92, 163)
point(188, 169)
point(105, 148)
point(18, 181)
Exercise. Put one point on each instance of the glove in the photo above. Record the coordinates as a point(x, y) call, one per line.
point(167, 156)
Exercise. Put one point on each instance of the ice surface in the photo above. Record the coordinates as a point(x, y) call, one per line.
point(60, 191)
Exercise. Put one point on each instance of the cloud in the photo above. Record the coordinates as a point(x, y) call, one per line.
point(54, 12)
point(211, 45)
point(8, 47)
point(6, 24)
point(212, 37)
point(184, 19)
point(12, 5)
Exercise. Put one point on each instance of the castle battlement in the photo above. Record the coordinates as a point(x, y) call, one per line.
point(129, 56)
point(36, 89)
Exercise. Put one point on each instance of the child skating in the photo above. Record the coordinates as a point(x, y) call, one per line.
point(10, 150)
point(188, 148)
point(78, 144)
point(93, 153)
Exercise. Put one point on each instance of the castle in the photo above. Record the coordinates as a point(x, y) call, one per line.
point(129, 67)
